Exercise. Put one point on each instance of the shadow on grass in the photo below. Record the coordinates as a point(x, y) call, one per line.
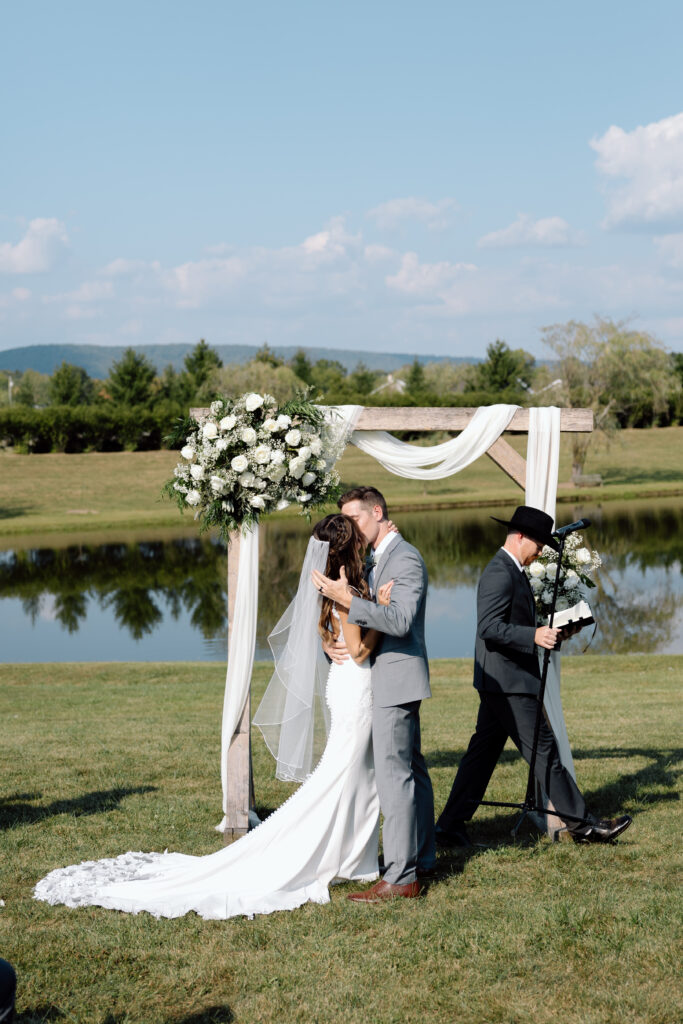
point(211, 1015)
point(452, 758)
point(39, 1015)
point(15, 810)
point(617, 475)
point(12, 512)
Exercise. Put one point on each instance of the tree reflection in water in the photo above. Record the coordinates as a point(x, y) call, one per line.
point(141, 583)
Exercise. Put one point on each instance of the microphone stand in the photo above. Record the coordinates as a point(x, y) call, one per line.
point(530, 804)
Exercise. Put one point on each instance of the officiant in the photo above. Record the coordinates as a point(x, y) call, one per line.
point(508, 677)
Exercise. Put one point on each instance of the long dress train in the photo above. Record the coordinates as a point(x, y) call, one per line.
point(327, 829)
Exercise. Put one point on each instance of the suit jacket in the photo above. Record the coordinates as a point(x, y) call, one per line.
point(505, 659)
point(400, 669)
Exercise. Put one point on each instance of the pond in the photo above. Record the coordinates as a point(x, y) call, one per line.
point(163, 597)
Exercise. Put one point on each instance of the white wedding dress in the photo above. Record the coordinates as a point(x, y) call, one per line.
point(328, 829)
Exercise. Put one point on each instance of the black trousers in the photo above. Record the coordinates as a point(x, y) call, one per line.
point(514, 715)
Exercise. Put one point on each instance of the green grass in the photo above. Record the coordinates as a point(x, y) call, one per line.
point(99, 759)
point(118, 491)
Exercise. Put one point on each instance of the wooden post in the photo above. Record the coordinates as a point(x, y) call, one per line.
point(240, 780)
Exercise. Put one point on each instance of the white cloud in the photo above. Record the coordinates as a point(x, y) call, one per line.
point(548, 232)
point(649, 163)
point(394, 211)
point(21, 294)
point(427, 280)
point(37, 251)
point(125, 268)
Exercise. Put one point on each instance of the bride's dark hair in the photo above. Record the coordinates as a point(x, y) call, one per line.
point(346, 546)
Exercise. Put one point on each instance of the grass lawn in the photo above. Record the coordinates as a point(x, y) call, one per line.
point(120, 490)
point(104, 758)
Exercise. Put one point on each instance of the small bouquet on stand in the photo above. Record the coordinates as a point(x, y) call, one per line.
point(578, 565)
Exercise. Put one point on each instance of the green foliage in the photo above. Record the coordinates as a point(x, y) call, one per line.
point(201, 362)
point(626, 377)
point(266, 355)
point(362, 381)
point(504, 369)
point(71, 385)
point(130, 379)
point(102, 428)
point(174, 387)
point(31, 389)
point(415, 379)
point(233, 381)
point(302, 367)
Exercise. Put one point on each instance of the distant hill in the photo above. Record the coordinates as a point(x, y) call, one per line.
point(97, 359)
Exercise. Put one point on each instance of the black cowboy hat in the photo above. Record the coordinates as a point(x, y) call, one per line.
point(532, 523)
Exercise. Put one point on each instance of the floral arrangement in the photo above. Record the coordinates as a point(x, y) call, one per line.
point(247, 457)
point(578, 564)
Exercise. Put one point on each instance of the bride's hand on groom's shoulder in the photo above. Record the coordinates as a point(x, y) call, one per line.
point(384, 593)
point(393, 528)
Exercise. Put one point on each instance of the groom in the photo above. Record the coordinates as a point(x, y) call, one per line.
point(400, 681)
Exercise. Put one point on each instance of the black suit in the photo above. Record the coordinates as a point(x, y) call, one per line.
point(507, 676)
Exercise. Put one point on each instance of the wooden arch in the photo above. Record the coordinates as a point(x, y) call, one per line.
point(240, 795)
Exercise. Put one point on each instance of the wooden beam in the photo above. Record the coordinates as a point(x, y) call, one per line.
point(240, 782)
point(393, 418)
point(448, 418)
point(510, 461)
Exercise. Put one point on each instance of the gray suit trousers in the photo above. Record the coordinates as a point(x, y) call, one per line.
point(405, 792)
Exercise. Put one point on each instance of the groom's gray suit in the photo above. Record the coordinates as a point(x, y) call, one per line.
point(400, 680)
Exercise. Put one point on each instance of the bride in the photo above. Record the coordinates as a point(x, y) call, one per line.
point(327, 829)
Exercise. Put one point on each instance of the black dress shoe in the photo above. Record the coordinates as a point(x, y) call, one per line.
point(602, 831)
point(454, 837)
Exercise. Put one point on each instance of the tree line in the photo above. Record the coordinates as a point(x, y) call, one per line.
point(626, 376)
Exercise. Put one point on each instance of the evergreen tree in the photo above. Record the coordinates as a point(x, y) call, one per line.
point(504, 369)
point(71, 385)
point(201, 361)
point(302, 366)
point(130, 379)
point(362, 380)
point(415, 378)
point(266, 355)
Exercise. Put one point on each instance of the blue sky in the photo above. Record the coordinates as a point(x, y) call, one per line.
point(377, 176)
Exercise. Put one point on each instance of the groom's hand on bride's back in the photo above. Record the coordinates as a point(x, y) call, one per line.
point(336, 651)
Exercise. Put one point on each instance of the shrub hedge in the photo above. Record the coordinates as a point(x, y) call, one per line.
point(62, 428)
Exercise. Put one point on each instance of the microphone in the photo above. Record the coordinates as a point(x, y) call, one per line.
point(562, 531)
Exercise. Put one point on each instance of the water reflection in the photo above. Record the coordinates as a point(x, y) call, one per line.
point(166, 599)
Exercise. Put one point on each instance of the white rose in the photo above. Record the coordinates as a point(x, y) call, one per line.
point(547, 596)
point(307, 479)
point(217, 484)
point(571, 579)
point(271, 425)
point(239, 463)
point(304, 452)
point(296, 467)
point(257, 501)
point(283, 422)
point(321, 464)
point(276, 473)
point(583, 556)
point(316, 446)
point(226, 506)
point(551, 570)
point(536, 584)
point(537, 570)
point(193, 497)
point(188, 452)
point(210, 430)
point(248, 435)
point(282, 503)
point(262, 454)
point(216, 408)
point(562, 604)
point(293, 437)
point(247, 479)
point(197, 472)
point(303, 497)
point(277, 456)
point(252, 402)
point(221, 444)
point(228, 422)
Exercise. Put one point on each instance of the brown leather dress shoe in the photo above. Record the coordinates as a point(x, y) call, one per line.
point(381, 891)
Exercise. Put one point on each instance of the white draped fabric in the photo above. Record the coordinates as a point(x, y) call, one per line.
point(414, 462)
point(441, 460)
point(543, 458)
point(240, 653)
